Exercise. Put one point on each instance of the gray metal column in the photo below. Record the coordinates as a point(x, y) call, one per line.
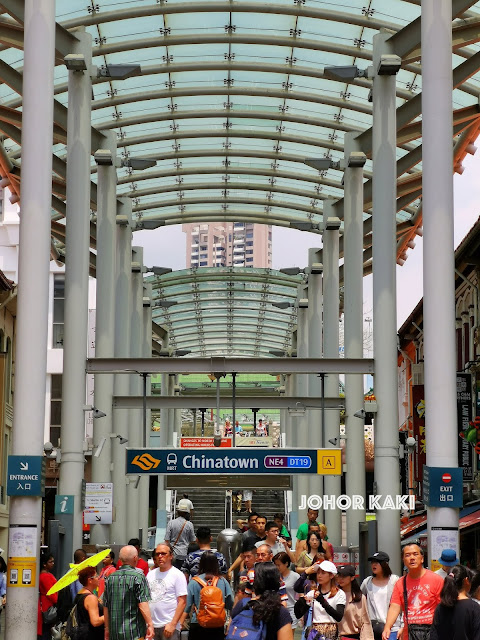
point(315, 350)
point(135, 432)
point(438, 254)
point(121, 384)
point(301, 432)
point(105, 322)
point(353, 270)
point(387, 471)
point(77, 250)
point(33, 270)
point(331, 313)
point(146, 414)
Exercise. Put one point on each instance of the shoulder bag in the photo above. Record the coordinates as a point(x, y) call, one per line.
point(415, 631)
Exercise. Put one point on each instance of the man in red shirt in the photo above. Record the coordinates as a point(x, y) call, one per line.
point(142, 565)
point(423, 594)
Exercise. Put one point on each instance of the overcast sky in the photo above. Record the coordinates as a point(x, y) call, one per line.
point(166, 246)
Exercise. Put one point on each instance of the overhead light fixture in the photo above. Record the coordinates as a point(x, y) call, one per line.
point(148, 224)
point(360, 414)
point(277, 353)
point(165, 304)
point(348, 72)
point(389, 64)
point(304, 226)
point(282, 305)
point(147, 302)
point(122, 220)
point(139, 164)
point(297, 410)
point(322, 164)
point(357, 159)
point(98, 414)
point(75, 62)
point(158, 271)
point(119, 71)
point(334, 441)
point(333, 224)
point(121, 439)
point(137, 267)
point(292, 271)
point(182, 352)
point(303, 303)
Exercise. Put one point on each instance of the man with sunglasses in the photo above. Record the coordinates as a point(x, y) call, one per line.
point(168, 587)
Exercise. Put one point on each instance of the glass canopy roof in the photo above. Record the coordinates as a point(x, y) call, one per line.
point(232, 98)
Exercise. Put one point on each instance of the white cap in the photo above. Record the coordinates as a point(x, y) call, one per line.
point(183, 505)
point(329, 567)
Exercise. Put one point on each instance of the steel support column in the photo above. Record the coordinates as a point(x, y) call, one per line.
point(301, 434)
point(353, 271)
point(121, 382)
point(384, 136)
point(105, 322)
point(77, 250)
point(146, 413)
point(331, 313)
point(438, 253)
point(33, 270)
point(135, 435)
point(315, 350)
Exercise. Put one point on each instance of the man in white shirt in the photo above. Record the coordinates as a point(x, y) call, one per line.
point(276, 544)
point(168, 587)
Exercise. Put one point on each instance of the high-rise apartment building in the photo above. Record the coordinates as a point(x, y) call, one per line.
point(238, 244)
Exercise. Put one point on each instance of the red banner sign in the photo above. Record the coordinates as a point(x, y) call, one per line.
point(198, 443)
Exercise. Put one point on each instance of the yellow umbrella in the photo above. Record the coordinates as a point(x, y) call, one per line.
point(72, 573)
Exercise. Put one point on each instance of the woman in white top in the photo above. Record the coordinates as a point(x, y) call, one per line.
point(378, 590)
point(282, 561)
point(328, 600)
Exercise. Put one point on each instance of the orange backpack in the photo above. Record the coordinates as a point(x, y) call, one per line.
point(211, 610)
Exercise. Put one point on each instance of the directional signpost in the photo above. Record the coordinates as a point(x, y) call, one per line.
point(152, 461)
point(26, 476)
point(98, 503)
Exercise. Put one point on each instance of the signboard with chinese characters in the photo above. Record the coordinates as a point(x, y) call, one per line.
point(464, 417)
point(26, 476)
point(237, 461)
point(443, 487)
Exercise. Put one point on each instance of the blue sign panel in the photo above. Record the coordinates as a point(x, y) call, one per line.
point(63, 504)
point(26, 476)
point(443, 487)
point(238, 461)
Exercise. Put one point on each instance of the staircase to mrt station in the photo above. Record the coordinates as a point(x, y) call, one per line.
point(209, 506)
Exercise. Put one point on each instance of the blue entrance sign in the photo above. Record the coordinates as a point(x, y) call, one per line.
point(244, 461)
point(26, 476)
point(443, 487)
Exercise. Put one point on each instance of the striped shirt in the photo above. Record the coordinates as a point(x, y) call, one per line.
point(124, 590)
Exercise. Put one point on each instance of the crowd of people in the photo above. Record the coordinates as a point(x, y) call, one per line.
point(276, 591)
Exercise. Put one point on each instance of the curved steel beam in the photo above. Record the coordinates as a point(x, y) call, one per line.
point(208, 6)
point(257, 92)
point(247, 186)
point(296, 206)
point(231, 39)
point(231, 113)
point(204, 170)
point(242, 133)
point(228, 216)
